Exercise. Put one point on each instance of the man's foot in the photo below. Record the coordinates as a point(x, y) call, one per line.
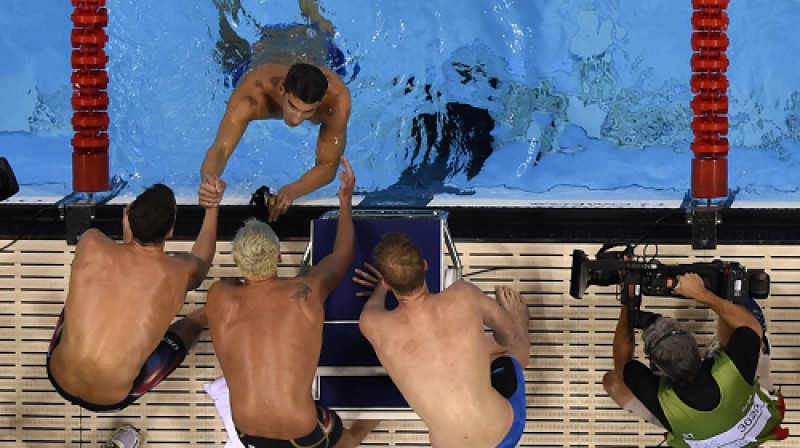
point(511, 300)
point(126, 436)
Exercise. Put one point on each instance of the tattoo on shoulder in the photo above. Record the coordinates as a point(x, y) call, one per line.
point(303, 270)
point(301, 291)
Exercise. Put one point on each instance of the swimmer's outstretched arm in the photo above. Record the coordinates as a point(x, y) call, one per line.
point(331, 143)
point(241, 109)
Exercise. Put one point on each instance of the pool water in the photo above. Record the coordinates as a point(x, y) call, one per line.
point(474, 102)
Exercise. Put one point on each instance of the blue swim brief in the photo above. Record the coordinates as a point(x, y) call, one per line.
point(335, 59)
point(509, 380)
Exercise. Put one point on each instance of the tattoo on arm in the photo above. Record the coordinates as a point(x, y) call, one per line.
point(301, 291)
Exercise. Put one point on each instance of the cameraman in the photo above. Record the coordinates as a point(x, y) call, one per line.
point(713, 402)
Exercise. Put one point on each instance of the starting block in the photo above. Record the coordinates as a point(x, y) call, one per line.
point(350, 378)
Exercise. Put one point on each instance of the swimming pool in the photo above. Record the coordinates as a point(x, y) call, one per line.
point(483, 103)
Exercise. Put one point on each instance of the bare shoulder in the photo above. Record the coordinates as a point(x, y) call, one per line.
point(337, 95)
point(220, 290)
point(262, 80)
point(306, 288)
point(463, 290)
point(317, 282)
point(265, 76)
point(94, 236)
point(93, 244)
point(464, 296)
point(373, 324)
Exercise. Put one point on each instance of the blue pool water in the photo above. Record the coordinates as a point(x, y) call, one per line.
point(475, 102)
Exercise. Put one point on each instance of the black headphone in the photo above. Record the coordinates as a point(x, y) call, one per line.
point(675, 332)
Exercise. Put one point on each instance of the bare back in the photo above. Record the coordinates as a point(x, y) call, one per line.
point(121, 301)
point(267, 335)
point(436, 353)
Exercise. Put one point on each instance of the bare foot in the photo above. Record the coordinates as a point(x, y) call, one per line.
point(511, 300)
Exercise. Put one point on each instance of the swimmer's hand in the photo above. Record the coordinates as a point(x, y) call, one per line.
point(210, 192)
point(370, 278)
point(281, 202)
point(347, 182)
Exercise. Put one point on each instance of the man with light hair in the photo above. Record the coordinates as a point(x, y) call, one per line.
point(711, 402)
point(267, 333)
point(468, 388)
point(256, 249)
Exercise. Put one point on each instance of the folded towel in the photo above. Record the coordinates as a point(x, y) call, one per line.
point(218, 391)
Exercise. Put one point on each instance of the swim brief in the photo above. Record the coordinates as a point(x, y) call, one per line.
point(328, 431)
point(168, 355)
point(334, 58)
point(508, 379)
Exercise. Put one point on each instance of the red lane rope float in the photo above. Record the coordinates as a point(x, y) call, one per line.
point(88, 121)
point(89, 99)
point(713, 82)
point(717, 125)
point(704, 21)
point(706, 105)
point(710, 104)
point(88, 78)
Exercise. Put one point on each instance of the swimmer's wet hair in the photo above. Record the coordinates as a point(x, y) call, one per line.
point(255, 249)
point(306, 82)
point(400, 263)
point(152, 214)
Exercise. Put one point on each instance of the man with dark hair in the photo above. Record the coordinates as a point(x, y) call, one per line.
point(113, 341)
point(294, 93)
point(711, 402)
point(267, 333)
point(468, 387)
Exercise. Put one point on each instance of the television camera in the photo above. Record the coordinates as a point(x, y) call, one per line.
point(640, 276)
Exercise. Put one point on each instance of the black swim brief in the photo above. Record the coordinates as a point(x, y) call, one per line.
point(167, 356)
point(328, 431)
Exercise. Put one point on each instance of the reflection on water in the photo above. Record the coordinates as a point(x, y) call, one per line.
point(508, 98)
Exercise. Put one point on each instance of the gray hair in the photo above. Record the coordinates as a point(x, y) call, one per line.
point(672, 349)
point(255, 249)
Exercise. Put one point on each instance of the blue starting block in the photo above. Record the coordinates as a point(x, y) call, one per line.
point(350, 379)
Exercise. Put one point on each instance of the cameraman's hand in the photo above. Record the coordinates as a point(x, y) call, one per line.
point(691, 286)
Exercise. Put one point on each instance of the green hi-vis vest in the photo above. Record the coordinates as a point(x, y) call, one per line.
point(745, 416)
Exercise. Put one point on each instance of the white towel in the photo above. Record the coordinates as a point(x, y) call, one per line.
point(218, 391)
